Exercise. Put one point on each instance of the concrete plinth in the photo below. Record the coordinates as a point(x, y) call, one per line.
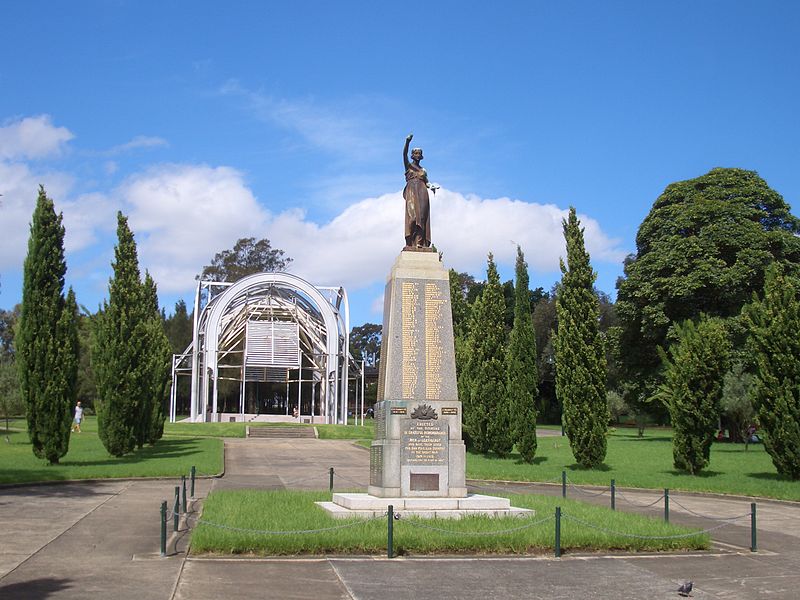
point(366, 506)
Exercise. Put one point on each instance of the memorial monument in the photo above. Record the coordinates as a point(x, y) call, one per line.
point(418, 457)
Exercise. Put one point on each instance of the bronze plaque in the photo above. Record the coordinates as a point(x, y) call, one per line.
point(424, 442)
point(399, 410)
point(449, 410)
point(424, 482)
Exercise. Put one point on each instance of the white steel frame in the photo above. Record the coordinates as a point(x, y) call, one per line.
point(322, 315)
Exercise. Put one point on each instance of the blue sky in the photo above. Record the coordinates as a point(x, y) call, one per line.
point(206, 122)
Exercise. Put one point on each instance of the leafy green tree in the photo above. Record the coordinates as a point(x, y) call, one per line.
point(545, 324)
point(87, 384)
point(521, 374)
point(155, 375)
point(8, 321)
point(694, 370)
point(46, 342)
point(365, 343)
point(11, 403)
point(774, 322)
point(486, 413)
point(178, 327)
point(737, 402)
point(119, 356)
point(580, 352)
point(460, 310)
point(247, 257)
point(703, 248)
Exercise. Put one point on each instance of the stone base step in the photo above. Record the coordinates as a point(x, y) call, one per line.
point(366, 506)
point(281, 432)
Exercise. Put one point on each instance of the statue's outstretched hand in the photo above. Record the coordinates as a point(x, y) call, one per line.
point(409, 137)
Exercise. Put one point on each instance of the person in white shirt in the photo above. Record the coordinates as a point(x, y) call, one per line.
point(76, 422)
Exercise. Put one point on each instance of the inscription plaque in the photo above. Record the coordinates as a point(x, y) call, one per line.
point(380, 421)
point(399, 410)
point(449, 410)
point(424, 482)
point(424, 442)
point(376, 465)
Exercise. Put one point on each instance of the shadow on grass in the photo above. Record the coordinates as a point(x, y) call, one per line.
point(705, 474)
point(768, 476)
point(163, 449)
point(35, 588)
point(577, 467)
point(647, 438)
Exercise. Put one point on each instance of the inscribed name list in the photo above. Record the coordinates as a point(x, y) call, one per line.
point(422, 323)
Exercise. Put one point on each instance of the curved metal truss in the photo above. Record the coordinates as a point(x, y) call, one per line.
point(270, 331)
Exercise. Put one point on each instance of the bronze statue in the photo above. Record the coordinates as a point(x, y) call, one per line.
point(418, 205)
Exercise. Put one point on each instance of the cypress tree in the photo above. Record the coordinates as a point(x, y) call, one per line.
point(773, 323)
point(119, 354)
point(580, 353)
point(521, 373)
point(486, 415)
point(157, 369)
point(47, 342)
point(460, 314)
point(694, 371)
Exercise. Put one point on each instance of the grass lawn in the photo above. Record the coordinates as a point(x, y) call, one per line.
point(172, 456)
point(292, 511)
point(645, 463)
point(237, 430)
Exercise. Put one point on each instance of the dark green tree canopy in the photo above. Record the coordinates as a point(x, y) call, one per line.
point(365, 343)
point(703, 248)
point(247, 257)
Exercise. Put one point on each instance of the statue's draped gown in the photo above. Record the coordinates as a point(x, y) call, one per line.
point(418, 206)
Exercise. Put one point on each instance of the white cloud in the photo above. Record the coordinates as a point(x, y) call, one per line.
point(140, 141)
point(183, 214)
point(20, 189)
point(31, 138)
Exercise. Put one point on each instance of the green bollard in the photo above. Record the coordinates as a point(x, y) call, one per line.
point(390, 534)
point(753, 544)
point(194, 472)
point(164, 528)
point(177, 509)
point(330, 485)
point(183, 484)
point(563, 484)
point(558, 532)
point(613, 495)
point(666, 505)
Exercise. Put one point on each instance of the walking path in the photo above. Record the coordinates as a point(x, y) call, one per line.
point(100, 540)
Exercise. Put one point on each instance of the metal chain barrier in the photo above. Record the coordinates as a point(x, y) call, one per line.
point(696, 514)
point(631, 502)
point(645, 537)
point(420, 525)
point(358, 483)
point(200, 521)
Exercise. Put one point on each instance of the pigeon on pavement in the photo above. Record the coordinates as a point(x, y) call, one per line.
point(685, 589)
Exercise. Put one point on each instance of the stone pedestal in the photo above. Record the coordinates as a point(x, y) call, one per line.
point(417, 450)
point(417, 457)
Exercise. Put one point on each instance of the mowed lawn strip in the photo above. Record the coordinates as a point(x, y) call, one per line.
point(88, 459)
point(645, 462)
point(289, 523)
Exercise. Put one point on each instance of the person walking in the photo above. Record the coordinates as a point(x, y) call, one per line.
point(76, 422)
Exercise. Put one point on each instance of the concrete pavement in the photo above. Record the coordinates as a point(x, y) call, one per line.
point(100, 540)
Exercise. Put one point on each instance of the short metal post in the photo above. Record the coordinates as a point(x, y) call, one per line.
point(194, 472)
point(613, 495)
point(753, 542)
point(183, 484)
point(164, 528)
point(563, 484)
point(666, 505)
point(330, 485)
point(390, 533)
point(558, 532)
point(176, 509)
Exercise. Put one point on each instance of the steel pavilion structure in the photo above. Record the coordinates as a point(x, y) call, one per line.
point(282, 341)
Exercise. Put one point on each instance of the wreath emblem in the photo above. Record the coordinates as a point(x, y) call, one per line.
point(424, 411)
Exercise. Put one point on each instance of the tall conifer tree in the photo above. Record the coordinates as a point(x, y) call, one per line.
point(774, 322)
point(120, 357)
point(47, 342)
point(580, 352)
point(521, 374)
point(155, 375)
point(694, 371)
point(486, 415)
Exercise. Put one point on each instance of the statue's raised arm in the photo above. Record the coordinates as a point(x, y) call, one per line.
point(418, 227)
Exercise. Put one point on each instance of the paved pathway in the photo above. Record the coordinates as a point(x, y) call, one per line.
point(100, 540)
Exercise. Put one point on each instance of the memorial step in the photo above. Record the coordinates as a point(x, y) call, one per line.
point(281, 432)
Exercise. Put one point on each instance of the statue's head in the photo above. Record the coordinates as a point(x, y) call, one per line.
point(416, 153)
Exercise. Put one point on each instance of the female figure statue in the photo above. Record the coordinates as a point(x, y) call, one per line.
point(418, 205)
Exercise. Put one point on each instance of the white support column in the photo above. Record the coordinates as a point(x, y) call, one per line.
point(363, 403)
point(173, 393)
point(194, 401)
